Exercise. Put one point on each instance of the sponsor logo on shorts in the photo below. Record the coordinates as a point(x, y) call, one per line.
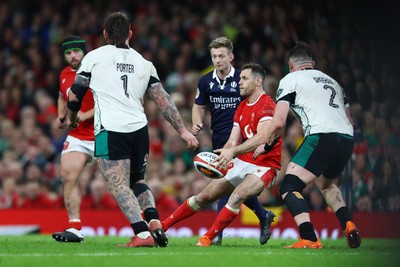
point(66, 145)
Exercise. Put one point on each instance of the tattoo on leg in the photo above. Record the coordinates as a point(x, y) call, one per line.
point(146, 200)
point(116, 173)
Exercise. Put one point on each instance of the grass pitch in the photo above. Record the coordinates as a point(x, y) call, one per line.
point(43, 251)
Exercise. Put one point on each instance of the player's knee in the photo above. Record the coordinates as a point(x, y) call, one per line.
point(68, 177)
point(237, 197)
point(139, 188)
point(290, 190)
point(291, 183)
point(136, 176)
point(205, 198)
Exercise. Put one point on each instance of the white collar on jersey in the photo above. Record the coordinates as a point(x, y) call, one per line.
point(222, 85)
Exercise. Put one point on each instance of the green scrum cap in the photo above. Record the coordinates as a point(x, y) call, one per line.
point(73, 42)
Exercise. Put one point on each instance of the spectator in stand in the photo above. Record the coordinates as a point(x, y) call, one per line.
point(100, 196)
point(163, 200)
point(29, 50)
point(177, 152)
point(394, 200)
point(34, 173)
point(84, 184)
point(374, 157)
point(9, 197)
point(294, 137)
point(316, 200)
point(383, 186)
point(6, 131)
point(35, 198)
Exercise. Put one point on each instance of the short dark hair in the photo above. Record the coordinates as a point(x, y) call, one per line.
point(256, 70)
point(117, 26)
point(301, 51)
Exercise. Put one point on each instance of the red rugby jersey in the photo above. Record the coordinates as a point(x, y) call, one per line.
point(247, 116)
point(85, 131)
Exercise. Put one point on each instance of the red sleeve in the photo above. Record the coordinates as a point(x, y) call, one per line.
point(266, 109)
point(238, 112)
point(67, 78)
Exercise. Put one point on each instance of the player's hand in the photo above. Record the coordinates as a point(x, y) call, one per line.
point(61, 120)
point(225, 156)
point(190, 139)
point(72, 125)
point(259, 151)
point(196, 128)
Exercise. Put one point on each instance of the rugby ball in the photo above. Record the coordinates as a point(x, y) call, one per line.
point(203, 162)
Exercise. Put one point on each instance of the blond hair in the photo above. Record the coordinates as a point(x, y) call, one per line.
point(221, 42)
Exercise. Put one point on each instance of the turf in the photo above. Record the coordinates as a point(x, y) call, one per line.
point(41, 250)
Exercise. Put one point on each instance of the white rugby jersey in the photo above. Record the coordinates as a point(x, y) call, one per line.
point(119, 80)
point(317, 100)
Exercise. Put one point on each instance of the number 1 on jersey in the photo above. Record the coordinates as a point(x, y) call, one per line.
point(124, 79)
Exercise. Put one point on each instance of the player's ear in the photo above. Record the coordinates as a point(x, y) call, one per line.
point(259, 81)
point(130, 34)
point(231, 56)
point(105, 35)
point(291, 66)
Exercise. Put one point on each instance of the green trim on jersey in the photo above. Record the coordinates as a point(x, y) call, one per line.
point(346, 136)
point(101, 145)
point(305, 150)
point(301, 116)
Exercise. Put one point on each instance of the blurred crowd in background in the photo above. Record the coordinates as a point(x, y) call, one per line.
point(174, 35)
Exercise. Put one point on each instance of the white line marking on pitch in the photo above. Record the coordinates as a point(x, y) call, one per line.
point(107, 254)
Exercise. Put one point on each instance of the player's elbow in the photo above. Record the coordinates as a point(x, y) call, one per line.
point(278, 125)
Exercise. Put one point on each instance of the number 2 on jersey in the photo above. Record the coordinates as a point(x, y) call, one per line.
point(124, 79)
point(333, 94)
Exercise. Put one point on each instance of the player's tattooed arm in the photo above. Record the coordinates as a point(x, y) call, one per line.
point(79, 88)
point(166, 106)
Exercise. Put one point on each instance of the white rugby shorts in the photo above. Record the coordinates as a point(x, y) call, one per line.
point(241, 168)
point(74, 144)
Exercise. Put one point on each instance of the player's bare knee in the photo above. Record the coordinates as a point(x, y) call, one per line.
point(68, 178)
point(323, 183)
point(204, 198)
point(236, 199)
